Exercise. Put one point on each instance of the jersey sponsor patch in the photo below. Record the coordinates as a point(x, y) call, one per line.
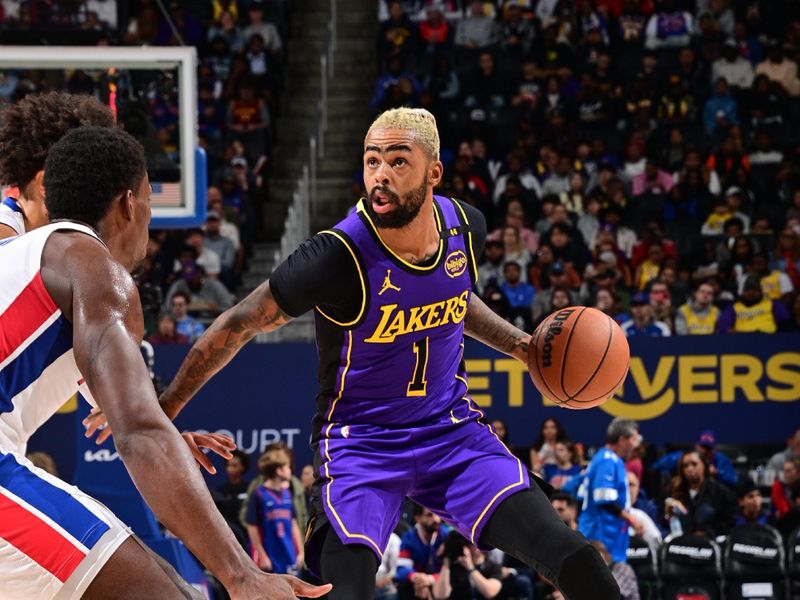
point(456, 263)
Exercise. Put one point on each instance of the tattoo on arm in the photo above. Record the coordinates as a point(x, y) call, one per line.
point(258, 313)
point(483, 324)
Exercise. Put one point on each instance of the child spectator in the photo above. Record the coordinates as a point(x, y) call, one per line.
point(275, 540)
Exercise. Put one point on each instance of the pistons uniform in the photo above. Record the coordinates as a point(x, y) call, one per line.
point(394, 416)
point(53, 538)
point(11, 215)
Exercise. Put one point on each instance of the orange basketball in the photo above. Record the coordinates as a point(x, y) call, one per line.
point(578, 357)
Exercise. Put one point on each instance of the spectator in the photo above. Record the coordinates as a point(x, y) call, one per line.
point(517, 33)
point(668, 27)
point(775, 284)
point(716, 220)
point(466, 572)
point(272, 526)
point(397, 87)
point(777, 460)
point(567, 508)
point(233, 492)
point(490, 270)
point(227, 29)
point(387, 571)
point(732, 67)
point(206, 294)
point(642, 322)
point(623, 573)
point(749, 498)
point(786, 256)
point(721, 110)
point(256, 26)
point(396, 35)
point(543, 451)
point(781, 70)
point(753, 312)
point(435, 33)
point(611, 219)
point(476, 31)
point(221, 246)
point(248, 120)
point(735, 198)
point(605, 516)
point(782, 493)
point(649, 269)
point(718, 463)
point(519, 294)
point(558, 278)
point(514, 248)
point(652, 181)
point(485, 87)
point(701, 504)
point(420, 558)
point(558, 474)
point(698, 316)
point(644, 511)
point(661, 303)
point(185, 325)
point(166, 333)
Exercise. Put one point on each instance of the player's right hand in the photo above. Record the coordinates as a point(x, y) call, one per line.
point(265, 586)
point(96, 421)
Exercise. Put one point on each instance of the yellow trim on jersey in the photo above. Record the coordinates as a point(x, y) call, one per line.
point(505, 489)
point(344, 375)
point(361, 279)
point(328, 455)
point(469, 241)
point(360, 208)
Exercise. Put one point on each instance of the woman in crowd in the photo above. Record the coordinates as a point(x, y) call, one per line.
point(566, 466)
point(544, 448)
point(700, 503)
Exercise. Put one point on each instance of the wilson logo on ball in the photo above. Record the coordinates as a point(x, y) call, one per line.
point(554, 329)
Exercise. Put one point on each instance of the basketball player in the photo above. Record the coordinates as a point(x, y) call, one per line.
point(30, 127)
point(391, 286)
point(69, 314)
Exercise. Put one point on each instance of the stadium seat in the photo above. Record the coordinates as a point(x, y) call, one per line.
point(691, 569)
point(643, 558)
point(793, 564)
point(754, 565)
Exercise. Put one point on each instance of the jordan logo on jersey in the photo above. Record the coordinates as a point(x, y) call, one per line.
point(387, 283)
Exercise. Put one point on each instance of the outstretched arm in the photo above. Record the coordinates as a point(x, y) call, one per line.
point(483, 324)
point(258, 313)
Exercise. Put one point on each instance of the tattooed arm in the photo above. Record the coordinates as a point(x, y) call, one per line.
point(258, 313)
point(483, 324)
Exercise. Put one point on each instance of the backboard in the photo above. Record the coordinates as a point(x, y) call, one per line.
point(153, 94)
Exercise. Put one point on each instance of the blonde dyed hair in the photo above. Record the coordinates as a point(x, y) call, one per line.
point(418, 120)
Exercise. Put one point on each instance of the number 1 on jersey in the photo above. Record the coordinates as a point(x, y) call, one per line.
point(418, 384)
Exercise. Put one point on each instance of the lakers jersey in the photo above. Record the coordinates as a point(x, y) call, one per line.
point(37, 367)
point(400, 360)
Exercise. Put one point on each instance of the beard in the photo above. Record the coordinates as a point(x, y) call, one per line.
point(404, 212)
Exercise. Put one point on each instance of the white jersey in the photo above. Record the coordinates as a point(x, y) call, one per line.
point(38, 373)
point(11, 215)
point(54, 539)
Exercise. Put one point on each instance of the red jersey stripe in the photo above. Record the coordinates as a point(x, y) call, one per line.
point(29, 310)
point(38, 540)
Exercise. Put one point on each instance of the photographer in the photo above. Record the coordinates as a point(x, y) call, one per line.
point(466, 572)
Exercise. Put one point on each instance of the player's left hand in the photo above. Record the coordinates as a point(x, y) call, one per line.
point(96, 421)
point(216, 442)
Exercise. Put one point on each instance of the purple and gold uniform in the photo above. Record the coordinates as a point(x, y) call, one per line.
point(394, 416)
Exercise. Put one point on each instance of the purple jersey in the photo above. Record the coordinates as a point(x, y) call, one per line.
point(401, 357)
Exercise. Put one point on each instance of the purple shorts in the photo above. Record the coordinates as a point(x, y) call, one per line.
point(455, 466)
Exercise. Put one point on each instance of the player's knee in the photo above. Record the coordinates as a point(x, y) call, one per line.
point(584, 575)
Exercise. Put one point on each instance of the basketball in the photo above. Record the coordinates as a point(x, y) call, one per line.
point(578, 357)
